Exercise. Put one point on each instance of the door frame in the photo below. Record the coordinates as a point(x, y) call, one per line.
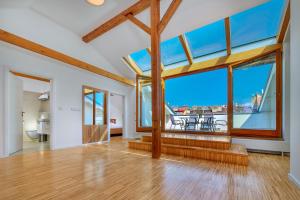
point(52, 93)
point(106, 111)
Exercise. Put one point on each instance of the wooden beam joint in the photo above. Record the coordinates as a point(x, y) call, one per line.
point(139, 23)
point(136, 8)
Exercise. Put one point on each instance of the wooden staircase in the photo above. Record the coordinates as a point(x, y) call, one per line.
point(214, 148)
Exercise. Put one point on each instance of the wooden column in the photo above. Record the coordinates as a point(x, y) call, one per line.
point(156, 78)
point(230, 102)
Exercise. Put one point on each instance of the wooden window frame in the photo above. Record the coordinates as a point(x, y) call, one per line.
point(94, 104)
point(251, 133)
point(139, 106)
point(257, 133)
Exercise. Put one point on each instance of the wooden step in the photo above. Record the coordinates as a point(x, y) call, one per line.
point(205, 141)
point(237, 154)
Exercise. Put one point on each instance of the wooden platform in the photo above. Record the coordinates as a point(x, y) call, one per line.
point(214, 142)
point(214, 148)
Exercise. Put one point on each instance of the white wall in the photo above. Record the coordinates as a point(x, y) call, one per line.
point(67, 88)
point(1, 111)
point(295, 92)
point(116, 110)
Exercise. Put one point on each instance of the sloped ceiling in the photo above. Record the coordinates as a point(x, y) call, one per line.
point(81, 18)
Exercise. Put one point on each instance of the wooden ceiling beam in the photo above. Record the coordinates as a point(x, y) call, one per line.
point(228, 35)
point(169, 14)
point(222, 61)
point(186, 49)
point(284, 24)
point(136, 8)
point(139, 23)
point(132, 65)
point(45, 51)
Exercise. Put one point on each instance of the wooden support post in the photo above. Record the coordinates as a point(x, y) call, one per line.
point(156, 78)
point(229, 100)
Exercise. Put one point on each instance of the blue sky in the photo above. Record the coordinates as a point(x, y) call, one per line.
point(210, 88)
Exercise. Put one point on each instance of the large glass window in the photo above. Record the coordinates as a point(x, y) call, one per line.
point(197, 102)
point(257, 24)
point(172, 52)
point(144, 90)
point(207, 40)
point(254, 94)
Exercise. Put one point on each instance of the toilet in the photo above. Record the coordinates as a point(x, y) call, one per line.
point(32, 134)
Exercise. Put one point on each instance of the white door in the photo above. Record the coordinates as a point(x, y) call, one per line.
point(15, 109)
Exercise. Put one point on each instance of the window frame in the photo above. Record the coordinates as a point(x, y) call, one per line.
point(139, 105)
point(251, 133)
point(277, 133)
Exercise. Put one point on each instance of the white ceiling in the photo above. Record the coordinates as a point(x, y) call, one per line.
point(80, 17)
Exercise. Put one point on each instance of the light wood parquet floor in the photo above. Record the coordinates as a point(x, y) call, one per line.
point(112, 171)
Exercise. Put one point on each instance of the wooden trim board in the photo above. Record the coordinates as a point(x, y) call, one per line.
point(30, 76)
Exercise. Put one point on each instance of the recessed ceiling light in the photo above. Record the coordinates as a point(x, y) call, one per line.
point(95, 2)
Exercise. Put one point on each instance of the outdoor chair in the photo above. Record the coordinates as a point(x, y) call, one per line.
point(208, 122)
point(191, 123)
point(175, 123)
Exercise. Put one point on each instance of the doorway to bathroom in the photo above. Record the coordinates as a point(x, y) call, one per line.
point(28, 113)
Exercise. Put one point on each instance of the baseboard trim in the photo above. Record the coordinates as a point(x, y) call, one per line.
point(294, 180)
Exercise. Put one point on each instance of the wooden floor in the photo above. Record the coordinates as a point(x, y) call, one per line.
point(115, 172)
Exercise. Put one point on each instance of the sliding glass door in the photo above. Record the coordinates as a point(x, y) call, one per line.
point(94, 115)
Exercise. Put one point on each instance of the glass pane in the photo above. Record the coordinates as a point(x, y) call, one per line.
point(254, 94)
point(172, 52)
point(142, 59)
point(88, 107)
point(256, 24)
point(145, 103)
point(207, 40)
point(100, 108)
point(197, 102)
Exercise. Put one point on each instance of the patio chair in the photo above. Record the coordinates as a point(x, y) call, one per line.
point(208, 122)
point(175, 123)
point(191, 123)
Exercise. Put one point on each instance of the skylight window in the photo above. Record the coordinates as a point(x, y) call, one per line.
point(249, 29)
point(207, 40)
point(256, 24)
point(172, 52)
point(142, 59)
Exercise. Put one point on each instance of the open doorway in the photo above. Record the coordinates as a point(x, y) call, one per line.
point(28, 113)
point(116, 115)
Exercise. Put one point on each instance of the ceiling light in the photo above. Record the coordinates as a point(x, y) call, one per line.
point(95, 2)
